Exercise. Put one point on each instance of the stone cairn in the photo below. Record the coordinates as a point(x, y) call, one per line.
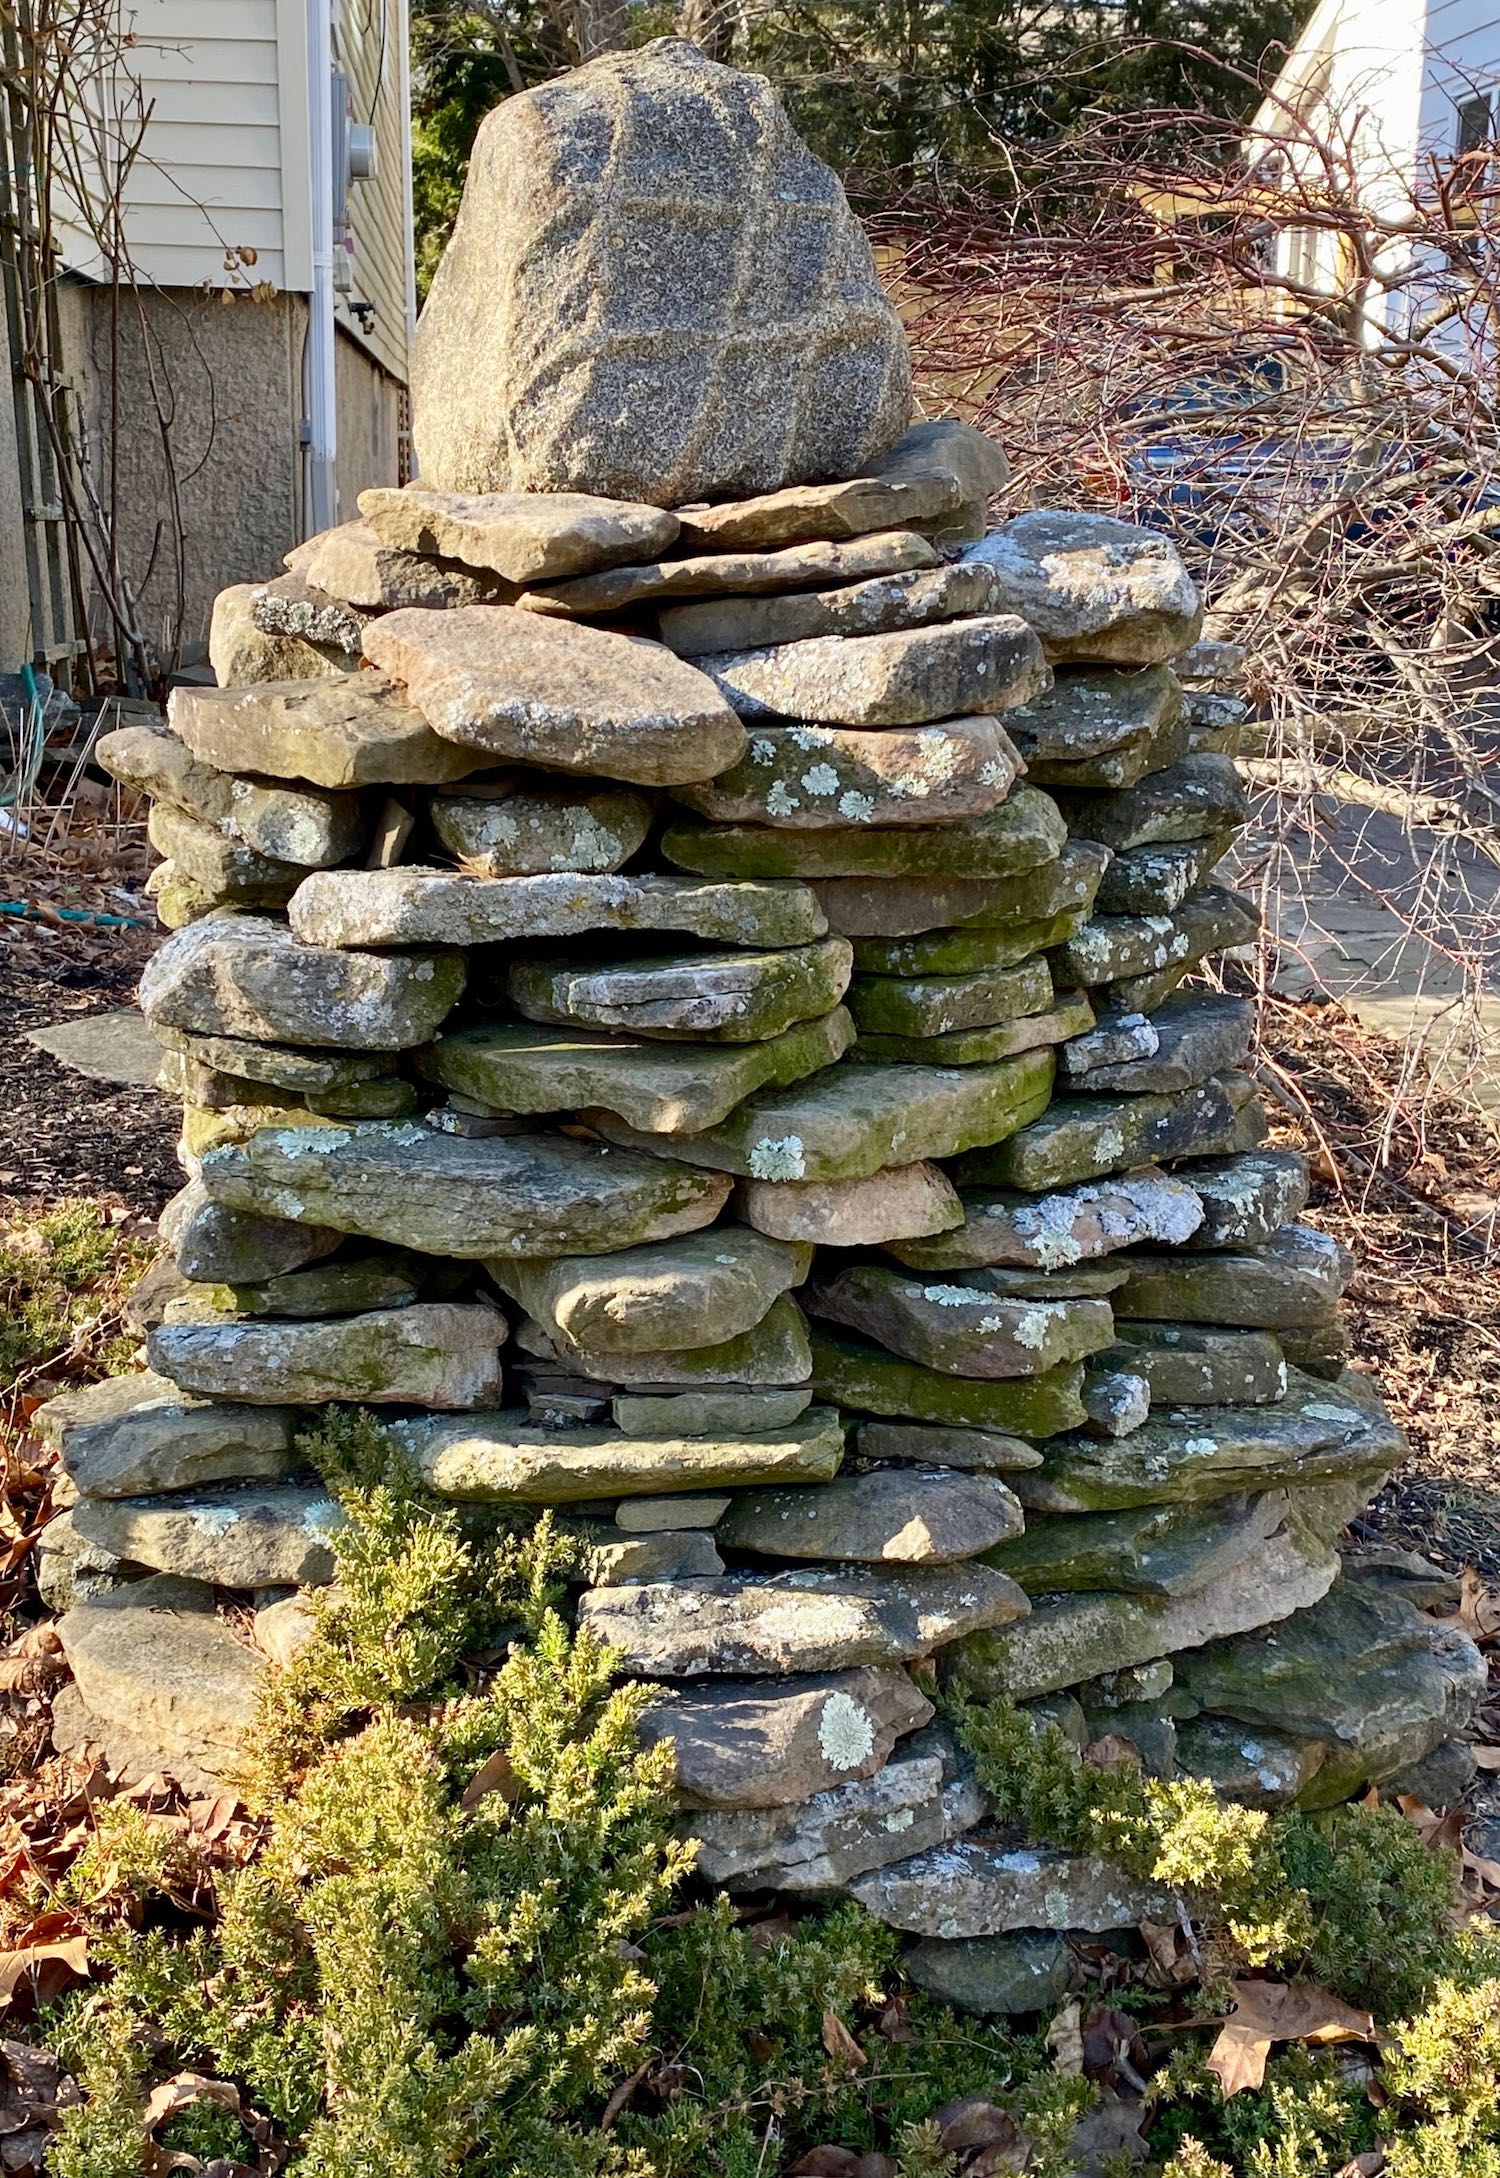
point(677, 935)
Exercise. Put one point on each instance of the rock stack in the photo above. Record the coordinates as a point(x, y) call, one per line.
point(676, 982)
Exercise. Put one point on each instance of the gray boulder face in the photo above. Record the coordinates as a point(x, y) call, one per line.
point(1098, 591)
point(510, 833)
point(244, 1538)
point(1292, 1280)
point(619, 1560)
point(1244, 1762)
point(977, 1451)
point(690, 1292)
point(132, 1435)
point(214, 1245)
point(980, 1887)
point(891, 1516)
point(654, 291)
point(1028, 1972)
point(435, 1353)
point(736, 998)
point(1189, 1365)
point(823, 1843)
point(754, 1744)
point(902, 678)
point(1051, 1232)
point(246, 976)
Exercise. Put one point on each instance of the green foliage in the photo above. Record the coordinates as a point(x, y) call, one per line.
point(63, 1273)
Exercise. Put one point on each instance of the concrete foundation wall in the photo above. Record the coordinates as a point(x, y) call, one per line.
point(369, 424)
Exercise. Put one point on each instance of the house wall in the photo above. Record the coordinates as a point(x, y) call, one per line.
point(370, 45)
point(1463, 39)
point(369, 412)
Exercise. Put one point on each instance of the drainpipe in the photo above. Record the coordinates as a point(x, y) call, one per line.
point(408, 213)
point(321, 510)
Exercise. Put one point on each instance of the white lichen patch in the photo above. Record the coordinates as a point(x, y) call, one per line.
point(783, 1158)
point(846, 1732)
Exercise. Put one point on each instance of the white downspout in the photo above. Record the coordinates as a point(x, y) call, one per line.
point(322, 405)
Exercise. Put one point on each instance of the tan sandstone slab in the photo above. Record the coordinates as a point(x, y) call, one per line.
point(1097, 590)
point(822, 776)
point(502, 1457)
point(520, 687)
point(921, 591)
point(154, 1659)
point(355, 730)
point(354, 563)
point(734, 574)
point(522, 536)
point(902, 678)
point(902, 1202)
point(691, 1291)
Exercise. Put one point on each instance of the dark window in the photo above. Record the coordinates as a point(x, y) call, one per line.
point(1475, 125)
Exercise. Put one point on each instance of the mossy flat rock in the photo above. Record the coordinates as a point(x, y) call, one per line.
point(396, 907)
point(1199, 798)
point(355, 563)
point(213, 1244)
point(1156, 880)
point(1068, 1638)
point(1191, 1038)
point(746, 1744)
point(893, 1515)
point(823, 1843)
point(243, 976)
point(732, 579)
point(523, 689)
point(1031, 1971)
point(1202, 1365)
point(279, 1066)
point(736, 998)
point(901, 1200)
point(1259, 1768)
point(433, 1353)
point(1211, 920)
point(823, 778)
point(531, 831)
point(1022, 832)
point(347, 1287)
point(975, 1451)
point(714, 1411)
point(902, 678)
point(154, 1659)
point(900, 907)
point(1318, 1433)
point(511, 1195)
point(691, 1291)
point(250, 1537)
point(1246, 1198)
point(1294, 1278)
point(501, 1458)
point(1152, 1550)
point(937, 1005)
point(131, 1435)
point(1099, 591)
point(290, 824)
point(757, 1624)
point(871, 1381)
point(1085, 715)
point(964, 1330)
point(357, 729)
point(773, 1351)
point(1083, 1138)
point(961, 952)
point(661, 1088)
point(981, 1046)
point(520, 536)
point(848, 1122)
point(975, 1887)
point(906, 595)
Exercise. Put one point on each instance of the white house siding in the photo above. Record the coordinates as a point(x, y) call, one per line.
point(1463, 39)
point(369, 38)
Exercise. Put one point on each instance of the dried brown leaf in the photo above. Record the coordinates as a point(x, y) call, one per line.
point(839, 2042)
point(494, 1774)
point(1266, 2012)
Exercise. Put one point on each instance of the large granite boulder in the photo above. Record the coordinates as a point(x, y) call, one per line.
point(655, 292)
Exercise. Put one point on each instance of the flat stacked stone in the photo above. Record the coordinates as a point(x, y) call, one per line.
point(698, 1030)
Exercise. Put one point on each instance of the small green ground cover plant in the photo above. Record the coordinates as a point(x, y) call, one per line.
point(470, 1941)
point(63, 1274)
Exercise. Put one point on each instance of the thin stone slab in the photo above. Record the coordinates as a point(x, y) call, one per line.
point(1072, 1637)
point(1165, 743)
point(828, 777)
point(213, 1244)
point(891, 1516)
point(523, 537)
point(847, 1123)
point(1153, 1550)
point(1318, 1433)
point(618, 1561)
point(245, 976)
point(355, 730)
point(899, 1202)
point(1088, 715)
point(1202, 1364)
point(871, 1381)
point(975, 1451)
point(501, 1458)
point(1083, 1138)
point(1097, 590)
point(290, 824)
point(509, 1195)
point(739, 997)
point(874, 906)
point(821, 1845)
point(278, 1066)
point(901, 678)
point(1157, 880)
point(1294, 1279)
point(645, 1515)
point(919, 593)
point(729, 577)
point(980, 1887)
point(289, 605)
point(529, 832)
point(1112, 947)
point(656, 1087)
point(713, 1411)
point(245, 1538)
point(964, 1330)
point(133, 1435)
point(117, 1047)
point(394, 907)
point(1022, 832)
point(773, 1351)
point(933, 1006)
point(691, 1291)
point(1247, 1198)
point(224, 867)
point(980, 1046)
point(434, 1353)
point(1194, 1037)
point(1199, 798)
point(347, 1286)
point(754, 1743)
point(519, 688)
point(1210, 921)
point(355, 563)
point(155, 1659)
point(963, 951)
point(759, 1624)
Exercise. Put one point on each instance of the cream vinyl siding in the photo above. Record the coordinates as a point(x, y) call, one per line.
point(368, 40)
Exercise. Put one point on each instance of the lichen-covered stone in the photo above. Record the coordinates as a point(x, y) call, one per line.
point(523, 537)
point(870, 1381)
point(962, 1329)
point(1083, 1138)
point(241, 1538)
point(290, 824)
point(1191, 1038)
point(502, 1458)
point(753, 1743)
point(355, 730)
point(347, 1286)
point(936, 1005)
point(1294, 1278)
point(931, 473)
point(239, 651)
point(244, 976)
point(739, 997)
point(964, 950)
point(655, 291)
point(1091, 715)
point(900, 1202)
point(1157, 880)
point(1097, 590)
point(1246, 1198)
point(734, 579)
point(892, 1515)
point(131, 1435)
point(1022, 832)
point(289, 605)
point(980, 1887)
point(526, 832)
point(433, 1353)
point(213, 1244)
point(1202, 1365)
point(828, 777)
point(225, 868)
point(355, 563)
point(900, 678)
point(691, 1291)
point(909, 596)
point(1199, 798)
point(1259, 1768)
point(822, 1843)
